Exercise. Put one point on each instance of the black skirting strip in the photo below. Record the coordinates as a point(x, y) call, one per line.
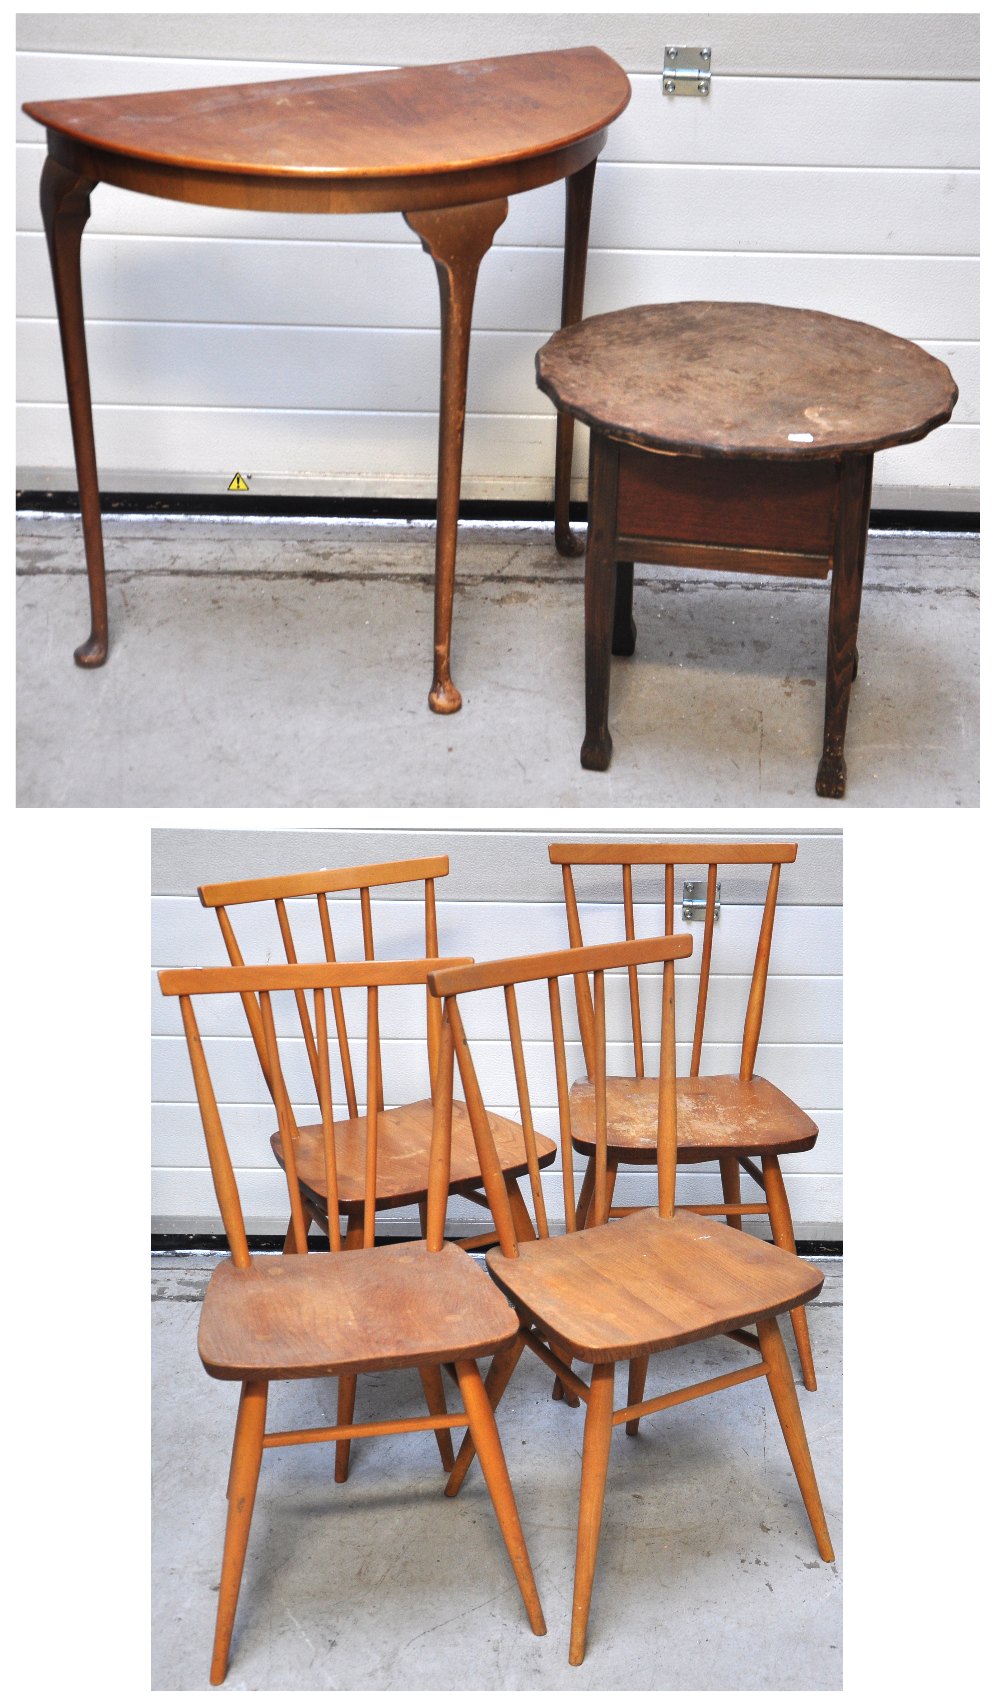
point(188, 1243)
point(226, 505)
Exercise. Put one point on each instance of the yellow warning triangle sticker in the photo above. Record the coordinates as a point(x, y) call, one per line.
point(237, 483)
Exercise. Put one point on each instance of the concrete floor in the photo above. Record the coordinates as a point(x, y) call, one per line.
point(707, 1578)
point(288, 665)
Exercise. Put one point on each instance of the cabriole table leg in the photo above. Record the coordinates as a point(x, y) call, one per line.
point(579, 194)
point(845, 610)
point(65, 200)
point(456, 238)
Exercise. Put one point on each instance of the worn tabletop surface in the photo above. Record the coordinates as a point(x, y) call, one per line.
point(745, 379)
point(421, 119)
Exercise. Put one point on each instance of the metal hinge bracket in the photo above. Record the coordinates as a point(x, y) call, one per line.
point(687, 70)
point(695, 901)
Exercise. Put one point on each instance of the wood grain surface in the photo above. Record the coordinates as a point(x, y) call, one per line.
point(715, 1116)
point(645, 1283)
point(313, 882)
point(303, 1316)
point(745, 379)
point(780, 506)
point(404, 1140)
point(418, 120)
point(672, 852)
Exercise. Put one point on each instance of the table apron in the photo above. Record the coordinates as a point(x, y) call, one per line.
point(730, 513)
point(283, 194)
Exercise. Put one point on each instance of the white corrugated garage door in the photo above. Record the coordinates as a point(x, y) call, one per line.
point(502, 896)
point(832, 166)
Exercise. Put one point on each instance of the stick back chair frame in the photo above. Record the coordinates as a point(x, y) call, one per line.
point(765, 1170)
point(319, 885)
point(268, 1317)
point(570, 1292)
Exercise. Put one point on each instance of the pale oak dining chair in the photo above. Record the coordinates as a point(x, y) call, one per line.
point(295, 1315)
point(620, 1290)
point(404, 1132)
point(739, 1119)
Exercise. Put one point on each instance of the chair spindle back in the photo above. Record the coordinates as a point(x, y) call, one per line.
point(259, 983)
point(317, 885)
point(573, 963)
point(672, 857)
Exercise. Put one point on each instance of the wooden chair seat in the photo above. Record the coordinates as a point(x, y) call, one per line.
point(404, 1141)
point(641, 1284)
point(716, 1116)
point(305, 1316)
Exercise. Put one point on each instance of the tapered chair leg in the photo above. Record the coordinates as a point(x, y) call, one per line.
point(248, 1448)
point(585, 1218)
point(611, 1177)
point(786, 1402)
point(594, 1472)
point(491, 1459)
point(348, 1383)
point(497, 1381)
point(433, 1384)
point(236, 1434)
point(288, 1247)
point(562, 1394)
point(584, 1205)
point(636, 1390)
point(586, 1193)
point(783, 1233)
point(729, 1167)
point(524, 1230)
point(585, 1201)
point(347, 1387)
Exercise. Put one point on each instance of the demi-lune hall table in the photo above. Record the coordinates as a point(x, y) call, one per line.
point(445, 145)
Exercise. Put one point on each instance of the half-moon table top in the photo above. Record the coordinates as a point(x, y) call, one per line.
point(745, 379)
point(421, 120)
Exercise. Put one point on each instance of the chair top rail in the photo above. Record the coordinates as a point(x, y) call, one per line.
point(672, 852)
point(322, 881)
point(344, 974)
point(567, 961)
